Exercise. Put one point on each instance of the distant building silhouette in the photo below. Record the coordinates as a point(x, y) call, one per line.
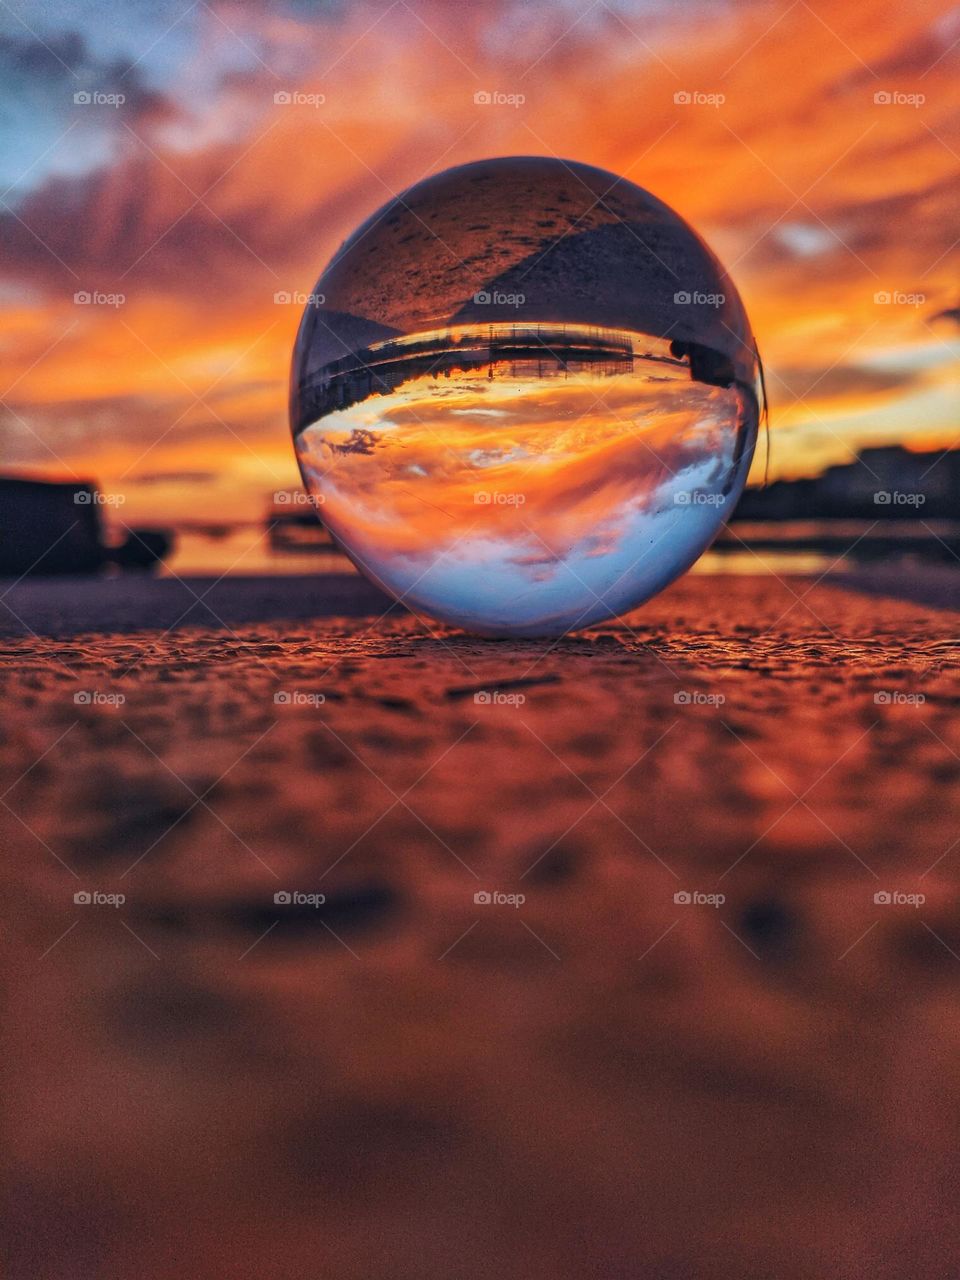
point(884, 483)
point(293, 524)
point(51, 528)
point(526, 350)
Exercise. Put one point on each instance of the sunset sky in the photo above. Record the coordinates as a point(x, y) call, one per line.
point(818, 154)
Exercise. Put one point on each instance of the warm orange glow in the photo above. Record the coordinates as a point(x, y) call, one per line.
point(817, 197)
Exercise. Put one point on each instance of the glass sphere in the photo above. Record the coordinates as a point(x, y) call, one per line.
point(526, 395)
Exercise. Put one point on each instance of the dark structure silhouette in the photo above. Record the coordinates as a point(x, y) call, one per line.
point(293, 524)
point(887, 483)
point(50, 528)
point(518, 350)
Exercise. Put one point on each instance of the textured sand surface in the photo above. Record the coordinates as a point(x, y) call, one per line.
point(405, 1083)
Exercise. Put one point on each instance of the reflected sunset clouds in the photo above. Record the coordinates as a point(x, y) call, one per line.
point(533, 501)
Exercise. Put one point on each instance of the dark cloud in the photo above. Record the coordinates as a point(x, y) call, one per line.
point(360, 441)
point(901, 67)
point(861, 228)
point(64, 64)
point(63, 54)
point(844, 380)
point(52, 120)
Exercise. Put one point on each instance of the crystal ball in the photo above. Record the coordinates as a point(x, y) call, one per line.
point(525, 396)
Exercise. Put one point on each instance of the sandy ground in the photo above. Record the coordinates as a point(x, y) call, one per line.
point(405, 1082)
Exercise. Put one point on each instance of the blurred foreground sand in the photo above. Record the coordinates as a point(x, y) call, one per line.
point(407, 1083)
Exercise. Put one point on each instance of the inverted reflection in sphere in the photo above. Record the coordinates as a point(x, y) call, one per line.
point(527, 395)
